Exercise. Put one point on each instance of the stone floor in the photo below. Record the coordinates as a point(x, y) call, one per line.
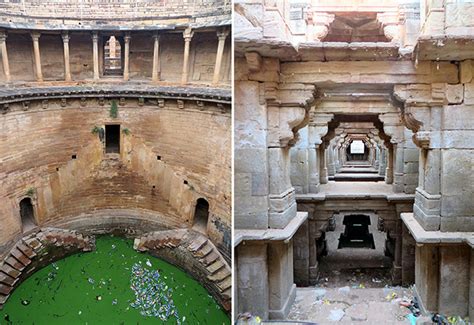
point(355, 266)
point(348, 305)
point(354, 285)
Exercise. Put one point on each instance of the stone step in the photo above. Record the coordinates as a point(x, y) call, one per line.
point(210, 258)
point(34, 244)
point(5, 289)
point(220, 275)
point(3, 299)
point(20, 256)
point(227, 294)
point(225, 284)
point(8, 280)
point(197, 244)
point(26, 250)
point(7, 269)
point(204, 251)
point(13, 262)
point(216, 266)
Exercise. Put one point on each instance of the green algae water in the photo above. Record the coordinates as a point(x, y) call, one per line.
point(95, 288)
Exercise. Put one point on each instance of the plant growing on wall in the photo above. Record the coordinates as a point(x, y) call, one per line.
point(95, 129)
point(30, 192)
point(113, 109)
point(100, 131)
point(126, 131)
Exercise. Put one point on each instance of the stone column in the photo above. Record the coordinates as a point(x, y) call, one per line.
point(67, 67)
point(280, 268)
point(323, 170)
point(383, 161)
point(156, 58)
point(37, 57)
point(318, 128)
point(188, 35)
point(95, 54)
point(3, 50)
point(221, 35)
point(398, 185)
point(331, 163)
point(126, 61)
point(389, 169)
point(252, 279)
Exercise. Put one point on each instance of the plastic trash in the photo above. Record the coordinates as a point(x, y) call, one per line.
point(336, 315)
point(344, 290)
point(319, 293)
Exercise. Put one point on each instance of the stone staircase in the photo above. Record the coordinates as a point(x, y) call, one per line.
point(209, 266)
point(34, 251)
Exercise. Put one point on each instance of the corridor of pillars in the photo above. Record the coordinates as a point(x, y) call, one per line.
point(346, 168)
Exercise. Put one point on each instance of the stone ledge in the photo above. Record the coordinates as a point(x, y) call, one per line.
point(325, 196)
point(435, 237)
point(11, 94)
point(284, 234)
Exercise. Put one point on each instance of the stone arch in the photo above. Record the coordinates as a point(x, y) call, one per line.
point(201, 215)
point(27, 214)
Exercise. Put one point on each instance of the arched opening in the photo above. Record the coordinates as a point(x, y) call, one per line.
point(27, 214)
point(113, 57)
point(201, 216)
point(357, 151)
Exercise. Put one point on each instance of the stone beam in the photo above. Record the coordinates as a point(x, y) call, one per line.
point(378, 72)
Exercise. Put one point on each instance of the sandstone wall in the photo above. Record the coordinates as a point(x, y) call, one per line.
point(37, 148)
point(20, 55)
point(141, 56)
point(52, 59)
point(116, 12)
point(81, 61)
point(171, 57)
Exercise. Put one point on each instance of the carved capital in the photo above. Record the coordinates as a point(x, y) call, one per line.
point(65, 36)
point(422, 139)
point(222, 34)
point(318, 25)
point(95, 36)
point(188, 34)
point(254, 61)
point(3, 36)
point(127, 38)
point(35, 36)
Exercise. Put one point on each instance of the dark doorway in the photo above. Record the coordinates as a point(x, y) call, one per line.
point(112, 138)
point(27, 214)
point(201, 216)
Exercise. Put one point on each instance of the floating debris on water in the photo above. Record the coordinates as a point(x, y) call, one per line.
point(90, 280)
point(152, 296)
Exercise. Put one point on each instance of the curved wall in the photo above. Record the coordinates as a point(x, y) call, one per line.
point(39, 138)
point(80, 14)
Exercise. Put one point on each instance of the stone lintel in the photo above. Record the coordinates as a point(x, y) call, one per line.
point(435, 237)
point(285, 234)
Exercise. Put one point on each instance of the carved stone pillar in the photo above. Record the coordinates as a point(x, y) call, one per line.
point(3, 51)
point(67, 67)
point(382, 161)
point(155, 76)
point(318, 128)
point(187, 35)
point(95, 54)
point(126, 61)
point(37, 57)
point(221, 35)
